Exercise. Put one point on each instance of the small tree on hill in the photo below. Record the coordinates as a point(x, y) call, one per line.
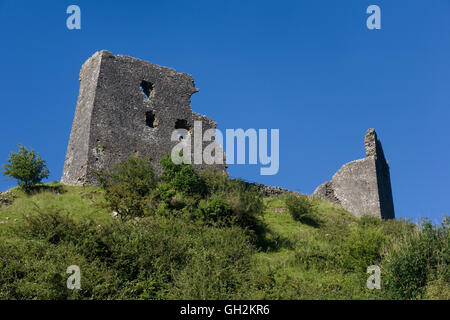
point(27, 167)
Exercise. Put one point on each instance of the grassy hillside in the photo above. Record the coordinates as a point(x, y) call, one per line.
point(171, 257)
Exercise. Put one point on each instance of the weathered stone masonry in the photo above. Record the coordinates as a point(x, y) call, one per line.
point(363, 187)
point(127, 107)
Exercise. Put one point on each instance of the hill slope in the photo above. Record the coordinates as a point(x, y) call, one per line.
point(171, 257)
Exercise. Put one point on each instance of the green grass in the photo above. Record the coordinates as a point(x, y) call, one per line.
point(298, 260)
point(302, 262)
point(78, 202)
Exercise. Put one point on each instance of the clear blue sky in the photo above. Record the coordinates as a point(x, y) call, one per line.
point(310, 68)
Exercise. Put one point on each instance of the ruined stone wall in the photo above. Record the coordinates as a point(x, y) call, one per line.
point(363, 187)
point(127, 107)
point(269, 191)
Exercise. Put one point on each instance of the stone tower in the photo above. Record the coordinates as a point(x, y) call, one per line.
point(363, 187)
point(127, 107)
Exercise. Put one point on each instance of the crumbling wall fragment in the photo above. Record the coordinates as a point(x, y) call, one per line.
point(363, 187)
point(127, 107)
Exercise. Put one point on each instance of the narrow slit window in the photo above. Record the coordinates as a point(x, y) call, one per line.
point(150, 119)
point(147, 88)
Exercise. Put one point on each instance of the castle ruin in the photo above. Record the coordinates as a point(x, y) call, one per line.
point(362, 187)
point(128, 107)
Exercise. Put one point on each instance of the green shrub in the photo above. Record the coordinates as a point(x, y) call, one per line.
point(215, 210)
point(27, 167)
point(245, 200)
point(166, 201)
point(301, 209)
point(209, 196)
point(163, 193)
point(36, 269)
point(416, 260)
point(219, 183)
point(153, 258)
point(173, 254)
point(219, 266)
point(182, 177)
point(362, 248)
point(128, 186)
point(247, 207)
point(52, 226)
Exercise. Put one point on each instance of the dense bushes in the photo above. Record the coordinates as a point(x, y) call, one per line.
point(132, 190)
point(362, 248)
point(215, 210)
point(301, 209)
point(414, 260)
point(178, 256)
point(128, 186)
point(182, 177)
point(155, 258)
point(194, 239)
point(219, 266)
point(245, 201)
point(417, 260)
point(203, 236)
